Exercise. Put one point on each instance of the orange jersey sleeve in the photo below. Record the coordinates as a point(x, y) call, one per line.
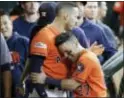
point(39, 45)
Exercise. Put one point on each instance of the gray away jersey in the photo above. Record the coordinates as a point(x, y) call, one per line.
point(5, 56)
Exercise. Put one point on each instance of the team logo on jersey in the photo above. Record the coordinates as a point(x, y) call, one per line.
point(80, 67)
point(58, 59)
point(40, 45)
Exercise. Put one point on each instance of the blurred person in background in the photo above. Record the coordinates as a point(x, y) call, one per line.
point(102, 11)
point(94, 47)
point(16, 11)
point(18, 46)
point(24, 23)
point(119, 9)
point(116, 60)
point(101, 14)
point(5, 63)
point(94, 32)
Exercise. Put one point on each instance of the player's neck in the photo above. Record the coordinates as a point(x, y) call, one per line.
point(59, 25)
point(31, 18)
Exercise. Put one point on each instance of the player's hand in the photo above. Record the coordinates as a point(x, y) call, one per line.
point(15, 57)
point(97, 49)
point(69, 84)
point(38, 77)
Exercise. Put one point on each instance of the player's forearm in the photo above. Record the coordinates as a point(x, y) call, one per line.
point(64, 84)
point(33, 64)
point(70, 84)
point(7, 81)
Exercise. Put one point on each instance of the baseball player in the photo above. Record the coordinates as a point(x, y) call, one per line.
point(86, 69)
point(18, 47)
point(43, 51)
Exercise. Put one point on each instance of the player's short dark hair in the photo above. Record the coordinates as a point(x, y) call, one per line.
point(62, 5)
point(64, 37)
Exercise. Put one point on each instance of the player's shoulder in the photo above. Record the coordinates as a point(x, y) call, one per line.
point(44, 33)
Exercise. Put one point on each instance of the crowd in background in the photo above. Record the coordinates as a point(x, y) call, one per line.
point(27, 23)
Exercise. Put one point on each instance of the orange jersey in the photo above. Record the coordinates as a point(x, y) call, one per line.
point(43, 44)
point(89, 73)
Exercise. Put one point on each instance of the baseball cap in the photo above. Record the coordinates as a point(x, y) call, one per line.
point(47, 11)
